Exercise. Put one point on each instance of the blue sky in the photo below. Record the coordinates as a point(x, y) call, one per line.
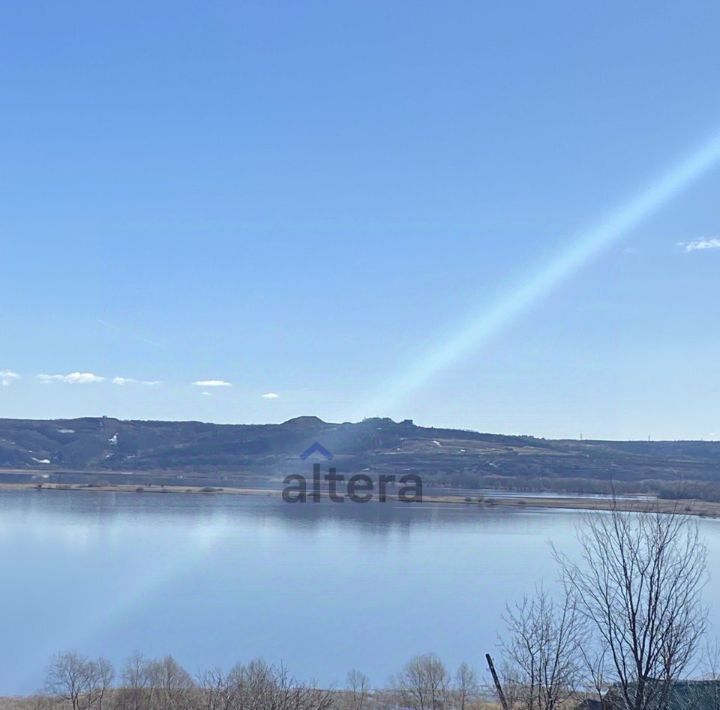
point(311, 199)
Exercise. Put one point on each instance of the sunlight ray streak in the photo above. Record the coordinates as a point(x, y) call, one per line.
point(586, 246)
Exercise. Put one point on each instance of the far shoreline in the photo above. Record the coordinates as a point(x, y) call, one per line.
point(699, 508)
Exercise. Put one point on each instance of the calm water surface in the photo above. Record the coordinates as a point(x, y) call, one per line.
point(217, 579)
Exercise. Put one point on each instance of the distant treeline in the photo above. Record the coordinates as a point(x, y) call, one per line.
point(665, 489)
point(75, 682)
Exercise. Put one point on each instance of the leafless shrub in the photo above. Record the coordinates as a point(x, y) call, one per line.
point(542, 662)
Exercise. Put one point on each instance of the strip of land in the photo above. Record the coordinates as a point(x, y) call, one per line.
point(706, 509)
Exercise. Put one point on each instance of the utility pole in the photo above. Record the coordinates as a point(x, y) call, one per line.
point(496, 680)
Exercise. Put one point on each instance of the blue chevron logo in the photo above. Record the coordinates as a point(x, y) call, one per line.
point(316, 448)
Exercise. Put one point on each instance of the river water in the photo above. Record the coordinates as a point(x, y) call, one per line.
point(323, 587)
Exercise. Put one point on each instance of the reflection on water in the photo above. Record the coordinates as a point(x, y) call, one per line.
point(214, 579)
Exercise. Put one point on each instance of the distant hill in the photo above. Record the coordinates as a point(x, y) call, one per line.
point(106, 446)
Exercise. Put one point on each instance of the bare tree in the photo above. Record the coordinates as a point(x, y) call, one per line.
point(423, 684)
point(358, 690)
point(66, 678)
point(594, 659)
point(710, 660)
point(100, 678)
point(218, 691)
point(466, 687)
point(542, 662)
point(639, 589)
point(171, 687)
point(78, 680)
point(134, 694)
point(264, 687)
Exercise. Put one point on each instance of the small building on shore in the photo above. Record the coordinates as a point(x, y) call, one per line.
point(684, 695)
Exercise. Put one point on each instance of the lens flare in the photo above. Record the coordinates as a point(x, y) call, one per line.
point(586, 246)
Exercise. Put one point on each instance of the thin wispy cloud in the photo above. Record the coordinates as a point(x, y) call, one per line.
point(701, 244)
point(122, 381)
point(72, 378)
point(7, 377)
point(212, 383)
point(270, 395)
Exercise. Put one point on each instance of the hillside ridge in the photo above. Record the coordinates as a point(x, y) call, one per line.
point(232, 452)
